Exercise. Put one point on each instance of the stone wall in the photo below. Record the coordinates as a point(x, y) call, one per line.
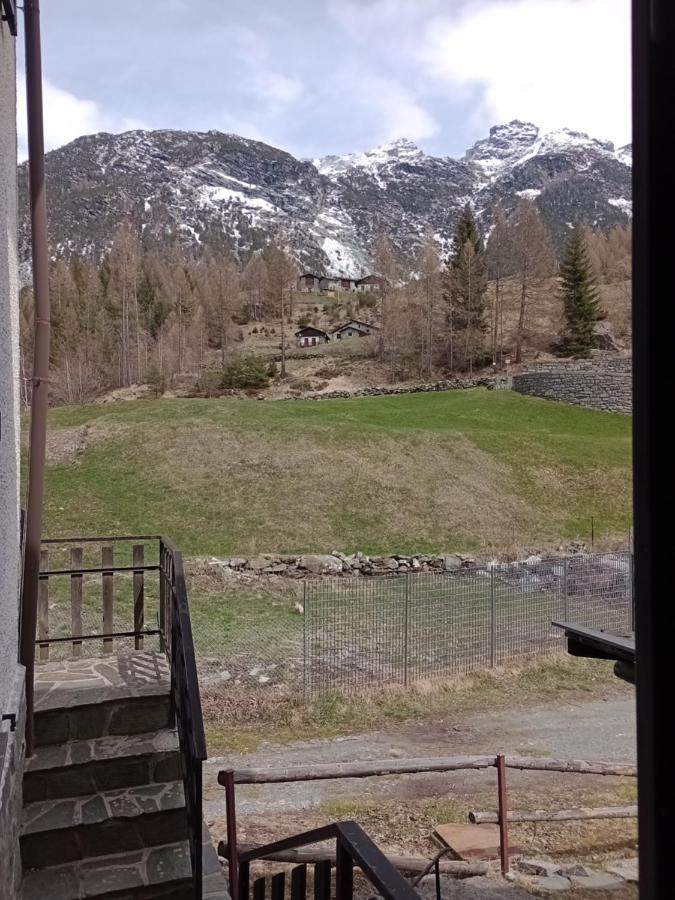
point(11, 674)
point(598, 383)
point(337, 563)
point(12, 754)
point(9, 369)
point(454, 384)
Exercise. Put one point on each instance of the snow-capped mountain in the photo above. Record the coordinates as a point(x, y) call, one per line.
point(221, 190)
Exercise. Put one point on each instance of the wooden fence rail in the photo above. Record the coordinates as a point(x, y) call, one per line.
point(78, 585)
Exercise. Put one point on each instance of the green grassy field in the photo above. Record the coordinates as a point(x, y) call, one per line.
point(472, 470)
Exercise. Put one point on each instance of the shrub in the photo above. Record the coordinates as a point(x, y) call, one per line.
point(245, 372)
point(156, 381)
point(255, 331)
point(367, 301)
point(209, 382)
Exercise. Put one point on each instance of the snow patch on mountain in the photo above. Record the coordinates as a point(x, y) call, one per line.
point(625, 205)
point(371, 161)
point(529, 193)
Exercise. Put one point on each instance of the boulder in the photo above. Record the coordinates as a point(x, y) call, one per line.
point(539, 867)
point(625, 868)
point(258, 563)
point(597, 881)
point(237, 562)
point(320, 564)
point(390, 563)
point(452, 563)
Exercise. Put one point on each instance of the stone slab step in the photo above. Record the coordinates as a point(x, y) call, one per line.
point(155, 872)
point(60, 831)
point(83, 767)
point(84, 698)
point(150, 710)
point(162, 871)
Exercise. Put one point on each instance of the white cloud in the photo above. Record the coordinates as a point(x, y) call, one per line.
point(397, 112)
point(67, 117)
point(264, 79)
point(553, 62)
point(391, 109)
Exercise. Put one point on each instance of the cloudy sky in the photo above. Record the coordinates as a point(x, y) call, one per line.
point(332, 76)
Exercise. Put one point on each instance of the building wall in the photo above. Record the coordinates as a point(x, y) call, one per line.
point(11, 674)
point(595, 383)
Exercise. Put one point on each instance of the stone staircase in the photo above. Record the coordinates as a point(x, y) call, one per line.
point(104, 808)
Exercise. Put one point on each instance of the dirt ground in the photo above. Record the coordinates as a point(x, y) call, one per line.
point(401, 812)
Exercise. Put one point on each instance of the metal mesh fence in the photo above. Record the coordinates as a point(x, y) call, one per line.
point(362, 632)
point(356, 632)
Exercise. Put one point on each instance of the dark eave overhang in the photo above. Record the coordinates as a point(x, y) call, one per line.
point(596, 644)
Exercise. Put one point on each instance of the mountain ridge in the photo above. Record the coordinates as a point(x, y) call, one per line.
point(211, 189)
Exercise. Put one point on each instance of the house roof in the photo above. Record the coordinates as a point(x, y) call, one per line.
point(309, 275)
point(310, 331)
point(352, 323)
point(369, 279)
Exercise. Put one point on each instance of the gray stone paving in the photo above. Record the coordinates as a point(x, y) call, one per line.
point(89, 810)
point(106, 775)
point(71, 682)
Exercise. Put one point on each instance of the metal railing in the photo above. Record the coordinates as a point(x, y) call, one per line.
point(176, 637)
point(75, 619)
point(353, 848)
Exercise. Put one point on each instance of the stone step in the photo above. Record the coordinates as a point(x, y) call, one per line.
point(84, 767)
point(161, 871)
point(92, 697)
point(76, 718)
point(154, 872)
point(60, 831)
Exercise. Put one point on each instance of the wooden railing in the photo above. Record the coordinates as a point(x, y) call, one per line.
point(70, 567)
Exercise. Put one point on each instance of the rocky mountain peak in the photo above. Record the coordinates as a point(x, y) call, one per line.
point(211, 188)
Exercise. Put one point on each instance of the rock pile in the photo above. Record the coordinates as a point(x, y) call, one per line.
point(337, 563)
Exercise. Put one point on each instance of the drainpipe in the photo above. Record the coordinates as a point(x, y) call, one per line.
point(39, 399)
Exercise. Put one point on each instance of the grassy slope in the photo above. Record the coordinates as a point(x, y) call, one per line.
point(462, 470)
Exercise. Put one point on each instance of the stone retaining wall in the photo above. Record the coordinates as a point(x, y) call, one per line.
point(455, 384)
point(594, 383)
point(337, 563)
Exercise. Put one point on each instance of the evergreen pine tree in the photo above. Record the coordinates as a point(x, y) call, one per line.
point(464, 287)
point(466, 230)
point(579, 295)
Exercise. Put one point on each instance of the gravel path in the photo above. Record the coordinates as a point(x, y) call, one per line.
point(593, 729)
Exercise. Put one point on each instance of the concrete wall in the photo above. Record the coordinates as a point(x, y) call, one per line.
point(602, 383)
point(11, 674)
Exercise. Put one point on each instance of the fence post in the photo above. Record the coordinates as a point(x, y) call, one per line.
point(232, 851)
point(107, 594)
point(405, 638)
point(43, 605)
point(631, 589)
point(564, 585)
point(305, 674)
point(493, 620)
point(163, 596)
point(139, 596)
point(503, 813)
point(76, 599)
